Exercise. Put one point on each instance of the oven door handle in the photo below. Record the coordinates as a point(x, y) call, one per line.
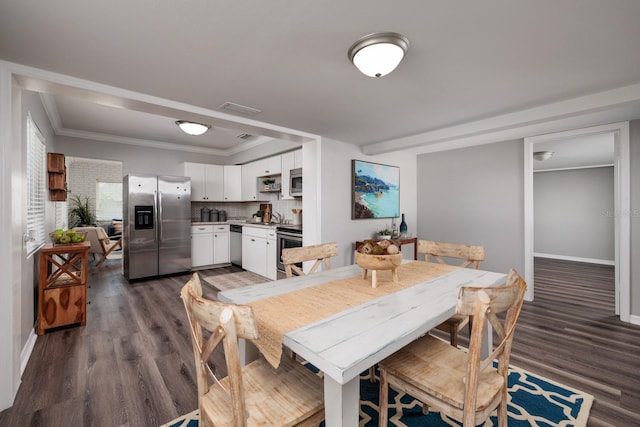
point(288, 234)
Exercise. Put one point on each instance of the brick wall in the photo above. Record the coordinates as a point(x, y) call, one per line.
point(82, 175)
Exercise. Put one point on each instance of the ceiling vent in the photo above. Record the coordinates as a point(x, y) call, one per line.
point(237, 108)
point(244, 136)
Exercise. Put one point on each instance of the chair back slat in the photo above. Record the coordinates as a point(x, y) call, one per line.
point(469, 254)
point(225, 323)
point(487, 304)
point(320, 253)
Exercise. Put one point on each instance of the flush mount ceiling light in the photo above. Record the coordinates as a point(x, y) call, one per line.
point(378, 54)
point(542, 155)
point(192, 128)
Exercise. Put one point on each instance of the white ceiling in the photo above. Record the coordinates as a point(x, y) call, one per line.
point(468, 62)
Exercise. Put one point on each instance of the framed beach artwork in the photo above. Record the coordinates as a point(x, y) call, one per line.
point(375, 190)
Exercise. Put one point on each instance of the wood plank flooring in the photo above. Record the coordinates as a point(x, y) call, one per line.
point(132, 365)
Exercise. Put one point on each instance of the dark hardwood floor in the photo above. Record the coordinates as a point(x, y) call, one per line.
point(132, 365)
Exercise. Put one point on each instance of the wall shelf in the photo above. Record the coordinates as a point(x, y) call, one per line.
point(57, 177)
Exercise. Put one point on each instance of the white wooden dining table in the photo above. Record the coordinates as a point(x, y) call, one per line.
point(346, 344)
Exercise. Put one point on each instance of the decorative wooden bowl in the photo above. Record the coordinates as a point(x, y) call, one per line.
point(378, 262)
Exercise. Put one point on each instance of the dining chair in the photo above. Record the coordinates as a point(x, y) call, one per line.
point(101, 244)
point(458, 383)
point(470, 256)
point(319, 253)
point(253, 395)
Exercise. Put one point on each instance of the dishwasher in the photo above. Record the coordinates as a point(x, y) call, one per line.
point(236, 244)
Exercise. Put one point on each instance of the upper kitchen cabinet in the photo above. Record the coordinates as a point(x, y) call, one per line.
point(233, 183)
point(269, 166)
point(254, 170)
point(290, 160)
point(207, 181)
point(249, 182)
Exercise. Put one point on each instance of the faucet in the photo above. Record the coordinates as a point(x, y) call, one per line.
point(277, 217)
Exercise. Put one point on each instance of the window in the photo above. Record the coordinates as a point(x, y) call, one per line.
point(36, 175)
point(108, 200)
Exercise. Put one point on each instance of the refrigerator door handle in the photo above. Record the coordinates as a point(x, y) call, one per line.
point(159, 222)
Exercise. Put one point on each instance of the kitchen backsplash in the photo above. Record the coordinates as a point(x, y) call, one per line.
point(244, 210)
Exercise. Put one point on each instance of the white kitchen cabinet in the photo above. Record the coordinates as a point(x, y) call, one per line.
point(269, 166)
point(290, 160)
point(287, 165)
point(272, 251)
point(232, 183)
point(259, 251)
point(221, 248)
point(201, 245)
point(206, 181)
point(297, 159)
point(249, 181)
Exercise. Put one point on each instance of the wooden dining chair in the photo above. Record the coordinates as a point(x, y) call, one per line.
point(317, 253)
point(470, 256)
point(253, 395)
point(458, 383)
point(101, 244)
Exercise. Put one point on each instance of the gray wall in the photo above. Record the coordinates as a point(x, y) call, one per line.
point(135, 159)
point(337, 225)
point(475, 196)
point(29, 286)
point(574, 213)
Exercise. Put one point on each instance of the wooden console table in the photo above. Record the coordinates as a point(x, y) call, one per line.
point(62, 291)
point(401, 242)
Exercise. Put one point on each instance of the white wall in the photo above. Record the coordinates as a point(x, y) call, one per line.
point(336, 222)
point(574, 214)
point(475, 196)
point(634, 149)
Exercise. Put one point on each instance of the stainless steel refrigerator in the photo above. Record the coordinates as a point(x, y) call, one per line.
point(157, 225)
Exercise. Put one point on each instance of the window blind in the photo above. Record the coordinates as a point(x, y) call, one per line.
point(36, 176)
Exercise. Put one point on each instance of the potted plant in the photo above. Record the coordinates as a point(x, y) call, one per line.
point(257, 216)
point(80, 213)
point(384, 234)
point(267, 183)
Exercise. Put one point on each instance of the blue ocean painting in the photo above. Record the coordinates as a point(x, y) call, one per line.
point(376, 190)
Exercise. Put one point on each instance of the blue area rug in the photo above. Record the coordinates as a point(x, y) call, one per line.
point(534, 401)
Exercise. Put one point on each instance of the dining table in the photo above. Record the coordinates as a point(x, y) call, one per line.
point(336, 321)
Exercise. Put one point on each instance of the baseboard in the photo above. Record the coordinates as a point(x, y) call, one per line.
point(634, 320)
point(577, 259)
point(25, 354)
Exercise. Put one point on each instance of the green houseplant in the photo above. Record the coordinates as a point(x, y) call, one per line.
point(80, 213)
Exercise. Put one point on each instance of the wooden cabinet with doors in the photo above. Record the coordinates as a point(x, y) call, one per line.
point(62, 289)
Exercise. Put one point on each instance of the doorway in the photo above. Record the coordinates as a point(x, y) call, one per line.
point(620, 133)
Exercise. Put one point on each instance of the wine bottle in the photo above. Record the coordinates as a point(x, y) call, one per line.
point(403, 227)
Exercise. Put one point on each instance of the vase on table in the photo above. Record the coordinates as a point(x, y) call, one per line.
point(403, 227)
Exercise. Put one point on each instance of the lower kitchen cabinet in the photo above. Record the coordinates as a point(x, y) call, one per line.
point(221, 244)
point(259, 251)
point(201, 245)
point(209, 245)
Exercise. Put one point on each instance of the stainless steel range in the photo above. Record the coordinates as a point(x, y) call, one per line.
point(288, 236)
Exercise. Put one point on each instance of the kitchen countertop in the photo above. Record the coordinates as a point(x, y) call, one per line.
point(238, 222)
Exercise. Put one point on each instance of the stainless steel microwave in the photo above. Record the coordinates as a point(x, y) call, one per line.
point(295, 187)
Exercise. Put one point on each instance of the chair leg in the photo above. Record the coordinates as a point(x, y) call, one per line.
point(383, 411)
point(453, 335)
point(502, 413)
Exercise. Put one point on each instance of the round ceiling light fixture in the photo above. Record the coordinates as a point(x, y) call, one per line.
point(192, 128)
point(542, 155)
point(378, 54)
